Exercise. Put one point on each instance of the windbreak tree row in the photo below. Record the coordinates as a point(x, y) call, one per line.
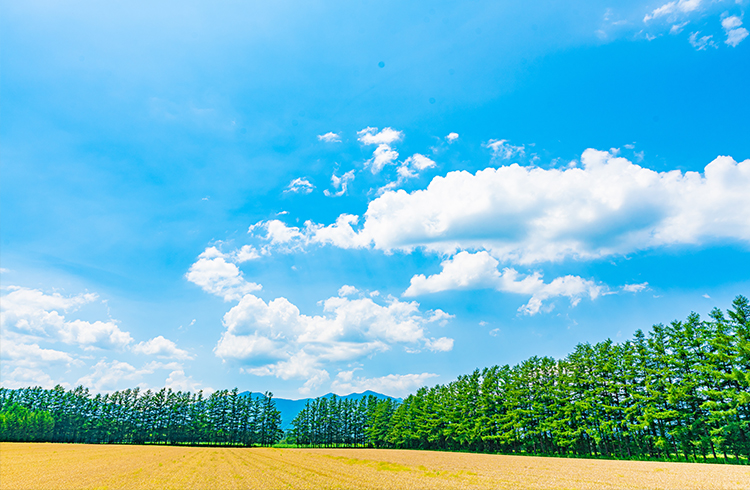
point(135, 417)
point(681, 391)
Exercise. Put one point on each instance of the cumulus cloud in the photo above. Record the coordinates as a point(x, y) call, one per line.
point(245, 254)
point(32, 312)
point(275, 339)
point(277, 232)
point(733, 28)
point(215, 275)
point(443, 344)
point(161, 347)
point(107, 376)
point(384, 154)
point(347, 290)
point(340, 184)
point(30, 355)
point(178, 381)
point(23, 377)
point(480, 270)
point(529, 215)
point(104, 335)
point(300, 186)
point(371, 136)
point(330, 137)
point(341, 233)
point(451, 137)
point(398, 385)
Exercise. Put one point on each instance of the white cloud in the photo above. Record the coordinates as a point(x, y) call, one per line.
point(480, 270)
point(413, 165)
point(105, 335)
point(701, 43)
point(635, 288)
point(278, 233)
point(32, 312)
point(673, 8)
point(340, 183)
point(677, 28)
point(275, 339)
point(451, 137)
point(443, 344)
point(300, 186)
point(178, 381)
point(217, 276)
point(161, 347)
point(108, 376)
point(346, 290)
point(530, 215)
point(330, 137)
point(371, 136)
point(732, 22)
point(340, 234)
point(503, 150)
point(398, 385)
point(245, 254)
point(30, 355)
point(409, 169)
point(23, 377)
point(384, 154)
point(735, 33)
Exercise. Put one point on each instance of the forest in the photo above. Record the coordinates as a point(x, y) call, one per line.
point(678, 392)
point(135, 417)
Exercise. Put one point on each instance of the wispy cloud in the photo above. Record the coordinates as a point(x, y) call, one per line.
point(330, 137)
point(341, 184)
point(300, 186)
point(700, 43)
point(672, 8)
point(503, 150)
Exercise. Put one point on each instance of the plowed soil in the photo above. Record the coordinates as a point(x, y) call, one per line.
point(76, 466)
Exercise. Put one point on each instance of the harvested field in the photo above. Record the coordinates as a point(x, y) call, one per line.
point(69, 466)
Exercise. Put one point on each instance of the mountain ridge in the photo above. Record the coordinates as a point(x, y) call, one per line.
point(290, 408)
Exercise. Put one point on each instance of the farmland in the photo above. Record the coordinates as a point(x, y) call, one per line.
point(64, 466)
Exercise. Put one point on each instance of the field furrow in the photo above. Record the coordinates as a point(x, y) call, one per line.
point(110, 467)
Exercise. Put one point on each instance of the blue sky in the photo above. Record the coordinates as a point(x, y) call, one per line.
point(345, 196)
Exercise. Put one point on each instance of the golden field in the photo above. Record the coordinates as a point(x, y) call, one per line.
point(72, 466)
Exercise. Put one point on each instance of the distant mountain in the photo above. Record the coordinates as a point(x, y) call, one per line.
point(290, 408)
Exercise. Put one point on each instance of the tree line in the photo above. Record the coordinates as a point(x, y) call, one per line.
point(679, 392)
point(133, 416)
